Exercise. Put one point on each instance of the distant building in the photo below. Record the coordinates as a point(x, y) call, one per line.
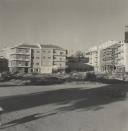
point(114, 58)
point(70, 52)
point(106, 56)
point(36, 58)
point(92, 55)
point(111, 56)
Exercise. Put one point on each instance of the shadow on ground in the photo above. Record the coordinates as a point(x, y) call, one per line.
point(26, 119)
point(69, 99)
point(75, 98)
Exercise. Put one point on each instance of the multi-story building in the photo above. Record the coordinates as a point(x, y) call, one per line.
point(35, 58)
point(20, 59)
point(107, 55)
point(121, 57)
point(112, 57)
point(92, 55)
point(107, 59)
point(53, 58)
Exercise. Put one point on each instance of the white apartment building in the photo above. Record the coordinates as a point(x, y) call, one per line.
point(106, 55)
point(36, 58)
point(115, 58)
point(121, 57)
point(92, 55)
point(111, 56)
point(53, 58)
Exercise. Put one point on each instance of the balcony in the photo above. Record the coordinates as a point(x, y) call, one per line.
point(20, 51)
point(59, 53)
point(119, 58)
point(19, 65)
point(20, 59)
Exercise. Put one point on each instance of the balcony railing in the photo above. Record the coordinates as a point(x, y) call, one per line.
point(20, 59)
point(19, 66)
point(20, 53)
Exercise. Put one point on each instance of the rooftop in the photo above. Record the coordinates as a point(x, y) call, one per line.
point(37, 45)
point(50, 46)
point(29, 45)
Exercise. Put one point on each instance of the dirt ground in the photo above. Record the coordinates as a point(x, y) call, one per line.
point(81, 106)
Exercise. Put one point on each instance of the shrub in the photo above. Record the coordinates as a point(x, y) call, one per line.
point(90, 76)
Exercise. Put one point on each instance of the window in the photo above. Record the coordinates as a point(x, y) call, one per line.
point(32, 51)
point(54, 63)
point(37, 57)
point(37, 63)
point(20, 50)
point(61, 53)
point(54, 57)
point(54, 51)
point(38, 52)
point(27, 51)
point(49, 57)
point(26, 64)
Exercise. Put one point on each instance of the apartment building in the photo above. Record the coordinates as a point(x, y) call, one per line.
point(19, 58)
point(36, 58)
point(121, 57)
point(111, 56)
point(53, 58)
point(92, 55)
point(115, 58)
point(107, 56)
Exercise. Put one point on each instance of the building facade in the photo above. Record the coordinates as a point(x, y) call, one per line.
point(112, 56)
point(115, 58)
point(20, 59)
point(106, 56)
point(93, 59)
point(36, 58)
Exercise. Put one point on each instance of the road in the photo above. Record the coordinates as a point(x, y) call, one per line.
point(66, 107)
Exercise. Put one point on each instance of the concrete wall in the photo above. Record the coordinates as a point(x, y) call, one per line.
point(46, 69)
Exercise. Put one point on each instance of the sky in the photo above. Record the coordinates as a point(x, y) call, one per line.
point(72, 24)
